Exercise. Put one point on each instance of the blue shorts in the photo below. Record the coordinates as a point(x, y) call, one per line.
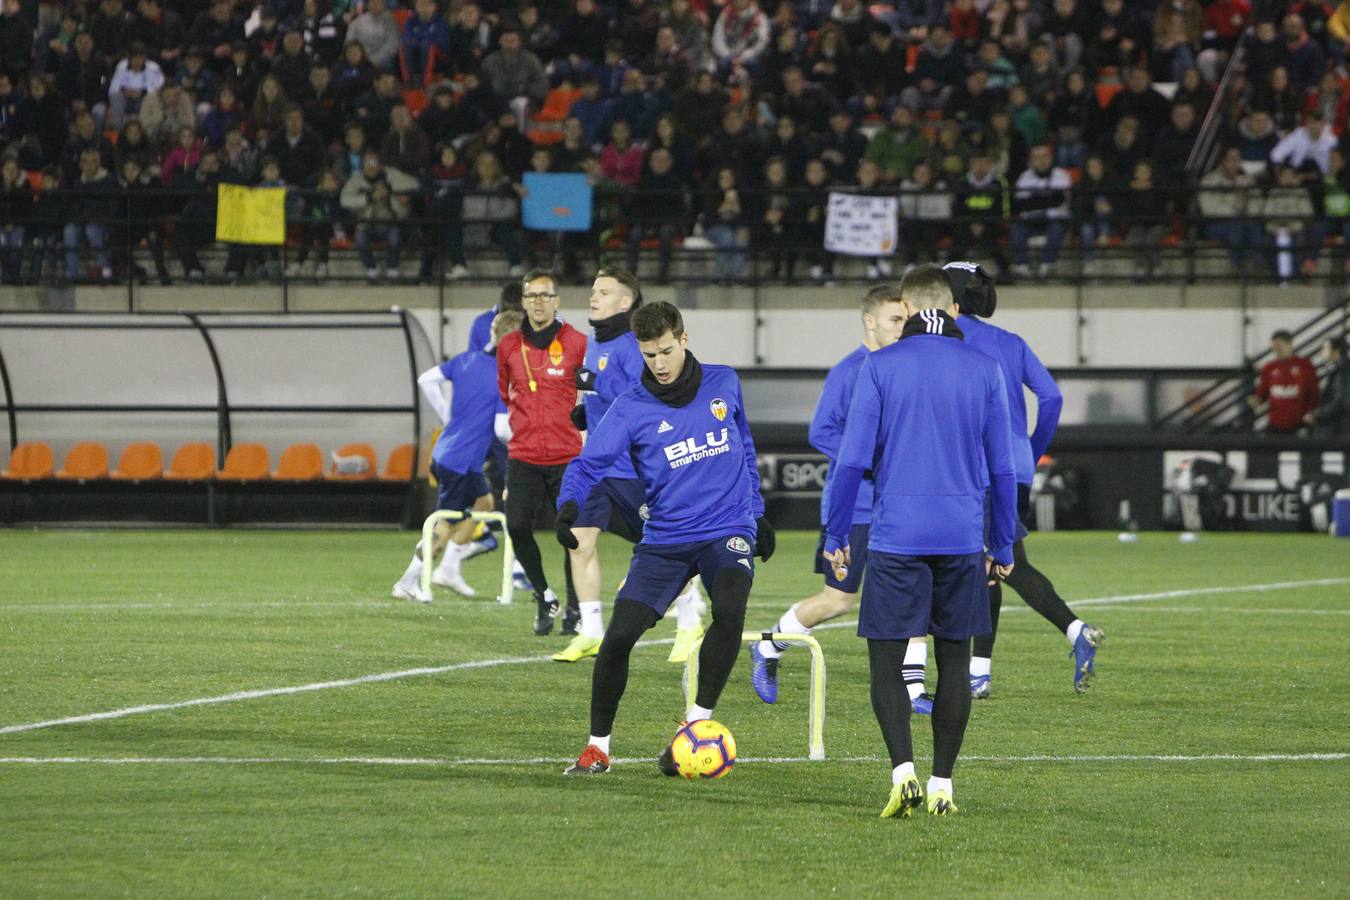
point(857, 553)
point(911, 596)
point(624, 496)
point(1023, 504)
point(659, 571)
point(458, 490)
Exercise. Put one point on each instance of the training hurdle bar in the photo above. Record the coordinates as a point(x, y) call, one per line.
point(816, 707)
point(454, 515)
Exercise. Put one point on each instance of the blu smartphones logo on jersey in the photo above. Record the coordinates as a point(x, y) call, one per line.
point(690, 450)
point(719, 409)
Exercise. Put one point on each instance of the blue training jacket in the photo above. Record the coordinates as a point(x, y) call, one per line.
point(618, 366)
point(480, 333)
point(696, 462)
point(929, 419)
point(474, 403)
point(1020, 367)
point(827, 428)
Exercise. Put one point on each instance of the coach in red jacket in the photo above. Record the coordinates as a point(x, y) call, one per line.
point(535, 368)
point(1289, 382)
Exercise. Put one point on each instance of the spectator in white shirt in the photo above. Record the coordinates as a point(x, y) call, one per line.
point(1306, 146)
point(1041, 205)
point(133, 78)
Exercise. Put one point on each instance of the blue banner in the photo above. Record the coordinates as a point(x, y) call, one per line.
point(556, 202)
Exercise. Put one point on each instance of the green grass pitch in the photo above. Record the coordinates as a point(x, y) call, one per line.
point(453, 785)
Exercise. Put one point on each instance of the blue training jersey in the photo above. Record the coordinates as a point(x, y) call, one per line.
point(480, 333)
point(474, 403)
point(696, 462)
point(827, 429)
point(618, 366)
point(929, 418)
point(1020, 367)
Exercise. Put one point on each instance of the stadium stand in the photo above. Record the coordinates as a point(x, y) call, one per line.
point(496, 93)
point(140, 461)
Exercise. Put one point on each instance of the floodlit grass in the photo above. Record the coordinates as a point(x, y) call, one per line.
point(456, 787)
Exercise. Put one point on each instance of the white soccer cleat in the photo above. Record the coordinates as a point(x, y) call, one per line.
point(411, 590)
point(454, 581)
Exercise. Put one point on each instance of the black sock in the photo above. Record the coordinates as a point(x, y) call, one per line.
point(527, 551)
point(627, 623)
point(722, 644)
point(1037, 591)
point(573, 607)
point(890, 700)
point(984, 643)
point(951, 705)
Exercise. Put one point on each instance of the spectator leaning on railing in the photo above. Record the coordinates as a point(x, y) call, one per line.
point(1229, 201)
point(379, 199)
point(1040, 205)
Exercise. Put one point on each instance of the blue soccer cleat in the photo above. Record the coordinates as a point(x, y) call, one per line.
point(521, 583)
point(1085, 656)
point(923, 705)
point(486, 544)
point(763, 675)
point(979, 687)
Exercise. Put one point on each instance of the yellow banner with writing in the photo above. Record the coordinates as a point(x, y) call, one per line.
point(251, 215)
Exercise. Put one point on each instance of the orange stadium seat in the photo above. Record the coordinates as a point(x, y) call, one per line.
point(245, 462)
point(362, 450)
point(399, 465)
point(29, 460)
point(300, 462)
point(193, 462)
point(85, 460)
point(140, 461)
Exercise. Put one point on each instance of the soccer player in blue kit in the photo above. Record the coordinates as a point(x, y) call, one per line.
point(685, 428)
point(613, 365)
point(457, 458)
point(976, 300)
point(882, 318)
point(929, 420)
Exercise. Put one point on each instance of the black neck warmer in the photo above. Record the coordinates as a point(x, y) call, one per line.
point(544, 336)
point(608, 329)
point(932, 321)
point(682, 390)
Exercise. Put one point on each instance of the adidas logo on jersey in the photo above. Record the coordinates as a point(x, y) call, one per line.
point(664, 427)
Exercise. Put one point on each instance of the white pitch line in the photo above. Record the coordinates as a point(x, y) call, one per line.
point(317, 686)
point(562, 760)
point(1246, 610)
point(520, 660)
point(458, 606)
point(1198, 592)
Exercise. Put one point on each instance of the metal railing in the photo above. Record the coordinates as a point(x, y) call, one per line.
point(1223, 405)
point(116, 238)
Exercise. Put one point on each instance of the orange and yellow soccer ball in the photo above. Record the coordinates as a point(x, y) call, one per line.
point(704, 749)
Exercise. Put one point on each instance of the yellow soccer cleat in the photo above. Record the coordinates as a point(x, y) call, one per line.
point(940, 803)
point(906, 797)
point(685, 638)
point(580, 648)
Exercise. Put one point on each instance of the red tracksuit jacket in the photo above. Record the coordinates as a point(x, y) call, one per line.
point(1291, 387)
point(539, 390)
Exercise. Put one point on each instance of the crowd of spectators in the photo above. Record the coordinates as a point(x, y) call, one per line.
point(997, 121)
